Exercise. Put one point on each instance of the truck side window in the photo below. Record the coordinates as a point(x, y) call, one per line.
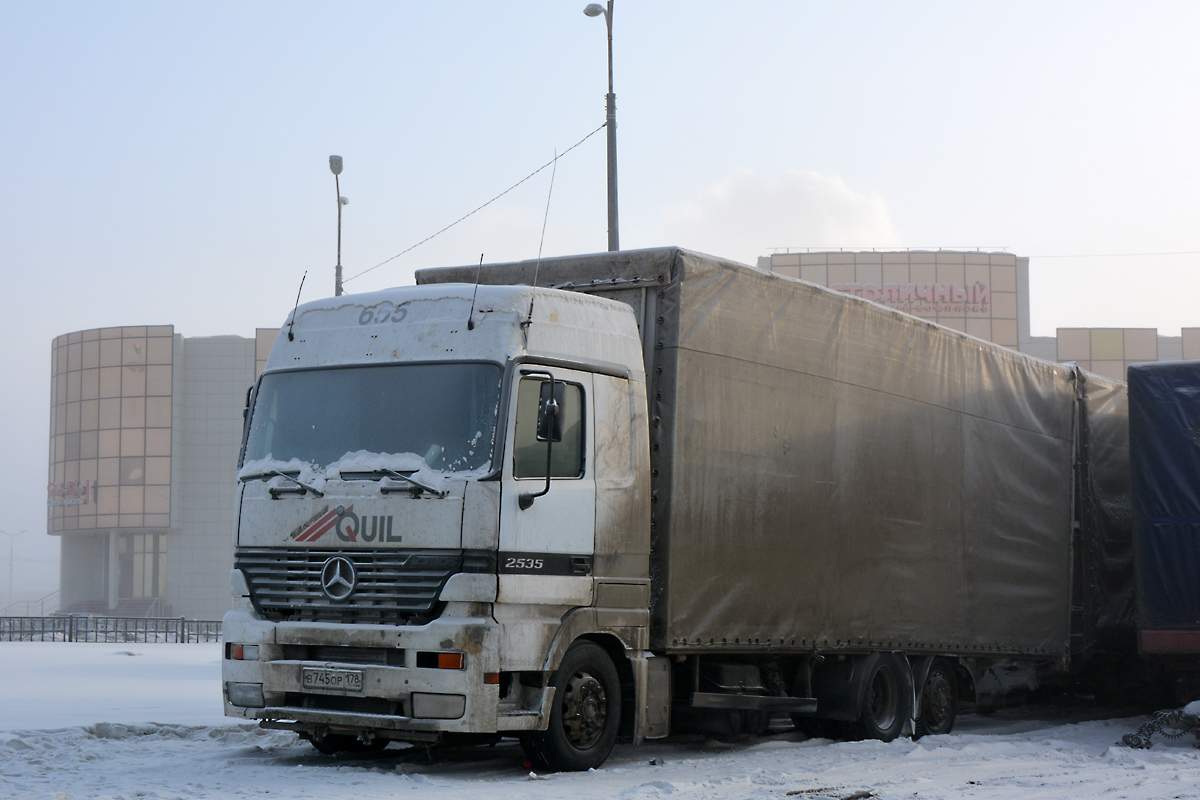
point(529, 454)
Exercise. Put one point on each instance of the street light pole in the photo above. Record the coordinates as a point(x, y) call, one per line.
point(335, 166)
point(11, 537)
point(614, 237)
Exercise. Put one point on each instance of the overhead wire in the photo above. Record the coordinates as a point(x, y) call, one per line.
point(549, 163)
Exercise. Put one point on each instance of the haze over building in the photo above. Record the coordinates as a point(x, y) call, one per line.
point(982, 294)
point(145, 427)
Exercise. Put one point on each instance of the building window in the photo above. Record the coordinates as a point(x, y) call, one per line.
point(143, 565)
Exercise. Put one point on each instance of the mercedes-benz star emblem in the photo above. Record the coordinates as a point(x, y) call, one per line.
point(338, 578)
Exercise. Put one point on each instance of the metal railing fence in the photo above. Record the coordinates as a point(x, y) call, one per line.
point(108, 629)
point(44, 605)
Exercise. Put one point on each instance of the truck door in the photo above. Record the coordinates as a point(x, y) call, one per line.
point(546, 549)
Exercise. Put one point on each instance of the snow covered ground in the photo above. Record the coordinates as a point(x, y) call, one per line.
point(144, 721)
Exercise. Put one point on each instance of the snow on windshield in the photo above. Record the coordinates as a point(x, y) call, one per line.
point(403, 417)
point(307, 473)
point(361, 461)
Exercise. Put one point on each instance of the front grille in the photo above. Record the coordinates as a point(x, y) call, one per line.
point(353, 705)
point(395, 587)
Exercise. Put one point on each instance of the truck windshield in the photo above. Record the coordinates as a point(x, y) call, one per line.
point(445, 413)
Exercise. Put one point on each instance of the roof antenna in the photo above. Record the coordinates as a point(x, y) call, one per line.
point(292, 321)
point(529, 320)
point(471, 314)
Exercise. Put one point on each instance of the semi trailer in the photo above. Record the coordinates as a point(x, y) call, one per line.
point(611, 496)
point(1164, 425)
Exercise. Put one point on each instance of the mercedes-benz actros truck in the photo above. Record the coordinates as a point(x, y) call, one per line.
point(608, 496)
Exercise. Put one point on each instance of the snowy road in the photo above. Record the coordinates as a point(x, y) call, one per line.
point(199, 755)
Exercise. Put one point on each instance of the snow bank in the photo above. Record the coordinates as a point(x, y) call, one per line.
point(91, 721)
point(60, 684)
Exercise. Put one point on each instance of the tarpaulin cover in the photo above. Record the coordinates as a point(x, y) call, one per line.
point(1164, 431)
point(829, 473)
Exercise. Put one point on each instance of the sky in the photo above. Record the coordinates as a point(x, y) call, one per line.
point(168, 162)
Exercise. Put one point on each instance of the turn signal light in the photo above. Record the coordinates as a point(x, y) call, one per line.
point(243, 652)
point(440, 660)
point(491, 677)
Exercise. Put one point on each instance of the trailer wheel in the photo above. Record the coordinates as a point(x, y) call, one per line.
point(939, 700)
point(887, 691)
point(586, 713)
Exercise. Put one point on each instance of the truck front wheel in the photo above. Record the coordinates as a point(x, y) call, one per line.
point(887, 692)
point(586, 713)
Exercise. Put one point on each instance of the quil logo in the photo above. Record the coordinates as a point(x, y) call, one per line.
point(350, 527)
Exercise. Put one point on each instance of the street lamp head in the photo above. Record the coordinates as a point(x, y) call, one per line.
point(594, 10)
point(344, 201)
point(335, 165)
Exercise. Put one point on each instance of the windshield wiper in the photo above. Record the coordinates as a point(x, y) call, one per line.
point(276, 491)
point(400, 476)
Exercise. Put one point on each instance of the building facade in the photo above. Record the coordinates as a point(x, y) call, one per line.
point(145, 428)
point(982, 294)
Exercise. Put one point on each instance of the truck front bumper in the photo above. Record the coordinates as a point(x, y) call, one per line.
point(396, 682)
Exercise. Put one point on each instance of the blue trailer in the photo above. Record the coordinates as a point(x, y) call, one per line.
point(1164, 438)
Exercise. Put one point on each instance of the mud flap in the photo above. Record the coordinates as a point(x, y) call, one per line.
point(919, 668)
point(652, 685)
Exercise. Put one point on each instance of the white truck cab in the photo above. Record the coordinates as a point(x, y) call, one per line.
point(405, 568)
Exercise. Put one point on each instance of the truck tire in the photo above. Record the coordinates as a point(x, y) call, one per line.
point(887, 693)
point(586, 713)
point(939, 700)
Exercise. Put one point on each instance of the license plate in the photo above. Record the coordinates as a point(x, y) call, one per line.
point(341, 680)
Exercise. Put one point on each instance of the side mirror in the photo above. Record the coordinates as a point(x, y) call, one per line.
point(549, 421)
point(549, 428)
